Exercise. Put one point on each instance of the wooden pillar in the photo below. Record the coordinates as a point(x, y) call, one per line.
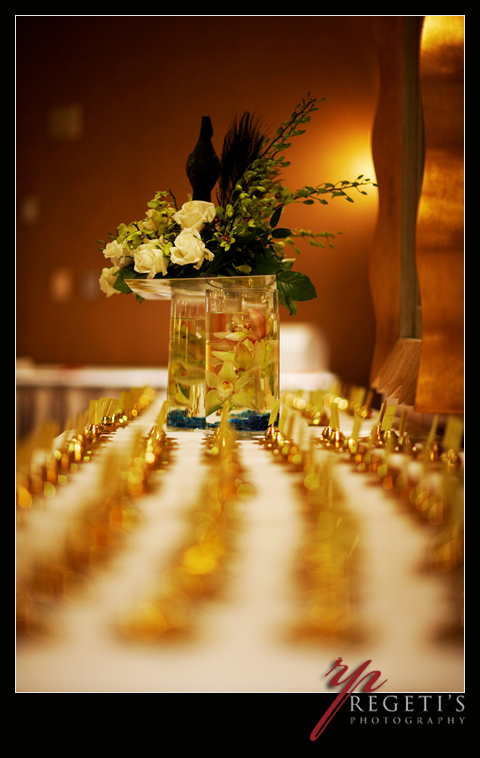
point(440, 225)
point(416, 262)
point(397, 148)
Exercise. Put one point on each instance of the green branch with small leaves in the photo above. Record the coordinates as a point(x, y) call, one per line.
point(245, 236)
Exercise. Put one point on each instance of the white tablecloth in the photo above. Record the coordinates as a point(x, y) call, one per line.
point(241, 643)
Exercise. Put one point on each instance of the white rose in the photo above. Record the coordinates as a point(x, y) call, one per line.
point(189, 248)
point(195, 214)
point(149, 259)
point(108, 279)
point(119, 255)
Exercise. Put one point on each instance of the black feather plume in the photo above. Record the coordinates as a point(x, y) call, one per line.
point(203, 164)
point(241, 146)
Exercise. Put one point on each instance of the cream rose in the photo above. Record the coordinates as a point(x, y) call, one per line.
point(108, 279)
point(149, 259)
point(119, 255)
point(195, 214)
point(189, 248)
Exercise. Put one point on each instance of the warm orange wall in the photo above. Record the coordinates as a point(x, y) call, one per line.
point(143, 84)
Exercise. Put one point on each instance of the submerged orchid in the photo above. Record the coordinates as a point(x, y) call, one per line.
point(245, 354)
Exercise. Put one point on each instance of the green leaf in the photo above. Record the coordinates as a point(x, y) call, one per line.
point(276, 216)
point(280, 232)
point(296, 286)
point(287, 303)
point(125, 273)
point(267, 264)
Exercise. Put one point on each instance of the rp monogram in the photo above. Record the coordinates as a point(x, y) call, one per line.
point(351, 683)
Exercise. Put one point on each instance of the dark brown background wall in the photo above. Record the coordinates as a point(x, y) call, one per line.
point(108, 109)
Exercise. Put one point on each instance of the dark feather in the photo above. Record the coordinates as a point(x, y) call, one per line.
point(241, 147)
point(203, 164)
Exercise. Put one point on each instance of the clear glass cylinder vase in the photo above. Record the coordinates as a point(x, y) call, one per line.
point(186, 350)
point(242, 352)
point(186, 357)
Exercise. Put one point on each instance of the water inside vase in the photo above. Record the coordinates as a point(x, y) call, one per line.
point(242, 364)
point(186, 367)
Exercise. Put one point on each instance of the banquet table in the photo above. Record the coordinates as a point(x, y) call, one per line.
point(241, 639)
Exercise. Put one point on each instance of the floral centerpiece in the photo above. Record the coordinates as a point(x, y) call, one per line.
point(239, 236)
point(233, 355)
